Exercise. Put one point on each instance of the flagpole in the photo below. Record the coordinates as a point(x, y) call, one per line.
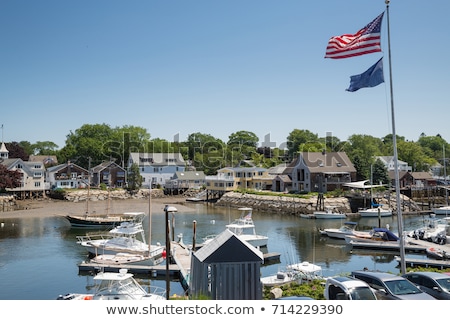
point(394, 144)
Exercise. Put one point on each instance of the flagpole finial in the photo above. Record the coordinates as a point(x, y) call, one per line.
point(387, 2)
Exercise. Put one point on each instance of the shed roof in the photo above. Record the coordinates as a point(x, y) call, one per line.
point(227, 247)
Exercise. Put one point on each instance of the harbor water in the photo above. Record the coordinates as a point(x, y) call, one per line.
point(39, 257)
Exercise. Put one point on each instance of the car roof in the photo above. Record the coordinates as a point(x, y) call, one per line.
point(348, 282)
point(430, 274)
point(377, 275)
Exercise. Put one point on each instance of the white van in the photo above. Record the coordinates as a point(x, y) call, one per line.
point(347, 288)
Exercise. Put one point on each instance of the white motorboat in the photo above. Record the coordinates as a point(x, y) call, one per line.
point(329, 213)
point(376, 210)
point(442, 210)
point(122, 258)
point(307, 270)
point(435, 230)
point(244, 228)
point(281, 278)
point(348, 228)
point(128, 237)
point(117, 286)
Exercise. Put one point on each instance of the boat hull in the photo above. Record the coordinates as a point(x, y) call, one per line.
point(442, 210)
point(374, 213)
point(324, 215)
point(95, 222)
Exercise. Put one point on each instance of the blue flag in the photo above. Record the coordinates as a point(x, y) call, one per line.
point(370, 78)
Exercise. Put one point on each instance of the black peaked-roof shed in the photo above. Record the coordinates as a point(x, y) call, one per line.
point(227, 268)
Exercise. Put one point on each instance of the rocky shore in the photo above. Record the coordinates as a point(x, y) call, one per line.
point(124, 201)
point(305, 205)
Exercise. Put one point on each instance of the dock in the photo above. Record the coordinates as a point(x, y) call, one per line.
point(428, 263)
point(411, 245)
point(179, 269)
point(153, 271)
point(388, 246)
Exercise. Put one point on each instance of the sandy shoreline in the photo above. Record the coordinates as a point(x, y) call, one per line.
point(51, 207)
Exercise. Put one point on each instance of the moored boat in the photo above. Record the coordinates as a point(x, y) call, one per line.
point(348, 228)
point(281, 278)
point(437, 253)
point(329, 213)
point(117, 286)
point(244, 228)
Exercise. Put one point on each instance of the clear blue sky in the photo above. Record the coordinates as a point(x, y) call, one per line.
point(177, 67)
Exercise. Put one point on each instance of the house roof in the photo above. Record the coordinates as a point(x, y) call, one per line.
point(401, 174)
point(106, 164)
point(27, 166)
point(279, 169)
point(283, 177)
point(46, 160)
point(63, 166)
point(157, 159)
point(421, 175)
point(190, 175)
point(389, 159)
point(328, 162)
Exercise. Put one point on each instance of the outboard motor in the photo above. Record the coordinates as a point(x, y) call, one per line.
point(441, 239)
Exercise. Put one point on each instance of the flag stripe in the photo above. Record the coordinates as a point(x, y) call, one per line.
point(366, 40)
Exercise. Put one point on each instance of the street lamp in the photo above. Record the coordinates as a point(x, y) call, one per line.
point(168, 209)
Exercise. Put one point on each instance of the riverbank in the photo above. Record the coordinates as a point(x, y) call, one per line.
point(50, 207)
point(75, 203)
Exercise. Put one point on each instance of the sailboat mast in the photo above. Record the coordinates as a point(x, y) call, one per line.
point(149, 218)
point(394, 144)
point(445, 174)
point(89, 187)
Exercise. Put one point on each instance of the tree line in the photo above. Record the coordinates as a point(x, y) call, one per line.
point(204, 152)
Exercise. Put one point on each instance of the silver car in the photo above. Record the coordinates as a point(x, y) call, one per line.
point(435, 284)
point(388, 286)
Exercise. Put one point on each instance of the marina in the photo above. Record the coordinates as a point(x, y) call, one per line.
point(40, 258)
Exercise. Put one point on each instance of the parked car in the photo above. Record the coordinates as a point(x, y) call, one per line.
point(434, 283)
point(388, 286)
point(347, 288)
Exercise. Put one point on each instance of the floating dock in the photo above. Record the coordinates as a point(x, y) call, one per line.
point(428, 263)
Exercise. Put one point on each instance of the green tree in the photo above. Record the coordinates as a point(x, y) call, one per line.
point(44, 148)
point(379, 173)
point(361, 150)
point(134, 178)
point(301, 140)
point(91, 141)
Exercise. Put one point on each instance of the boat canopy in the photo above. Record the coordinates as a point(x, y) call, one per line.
point(362, 185)
point(389, 234)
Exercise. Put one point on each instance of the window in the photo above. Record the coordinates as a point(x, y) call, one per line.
point(37, 184)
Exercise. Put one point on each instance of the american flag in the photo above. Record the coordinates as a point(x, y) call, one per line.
point(366, 40)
